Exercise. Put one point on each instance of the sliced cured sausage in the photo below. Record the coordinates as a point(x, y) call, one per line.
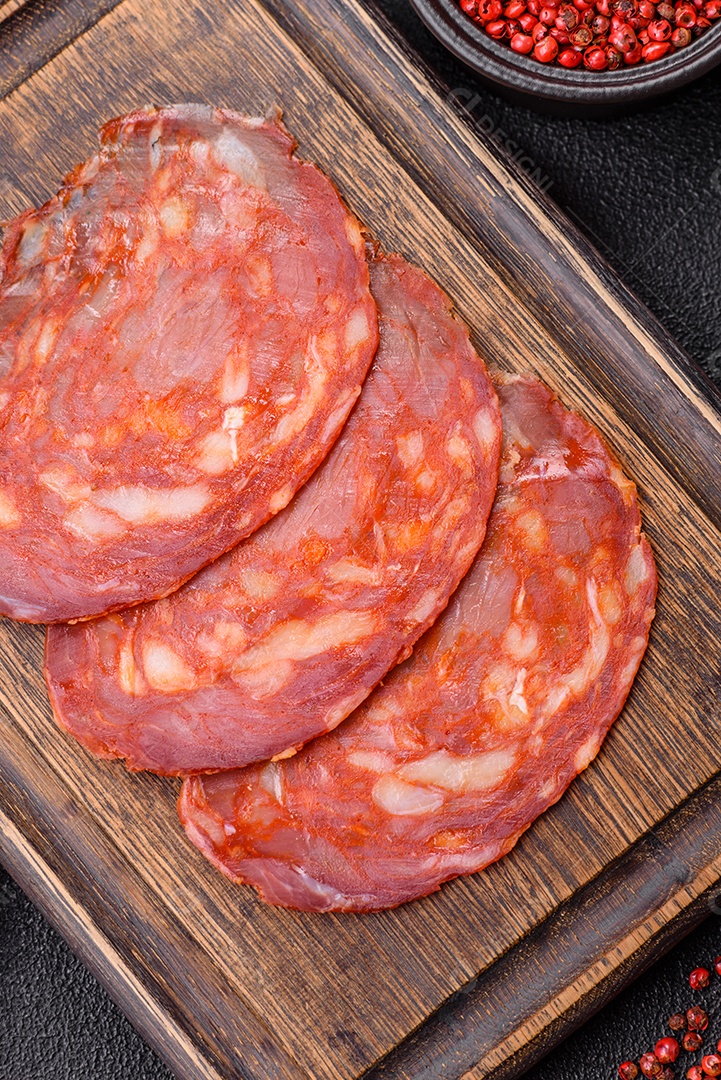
point(283, 637)
point(502, 703)
point(183, 330)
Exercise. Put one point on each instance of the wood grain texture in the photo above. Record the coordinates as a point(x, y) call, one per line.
point(9, 7)
point(220, 984)
point(32, 32)
point(576, 958)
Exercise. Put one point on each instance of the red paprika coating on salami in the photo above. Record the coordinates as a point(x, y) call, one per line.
point(283, 637)
point(184, 329)
point(502, 703)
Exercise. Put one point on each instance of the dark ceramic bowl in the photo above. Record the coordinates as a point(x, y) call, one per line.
point(551, 88)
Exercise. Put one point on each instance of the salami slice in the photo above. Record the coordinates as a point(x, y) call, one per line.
point(283, 637)
point(502, 703)
point(183, 330)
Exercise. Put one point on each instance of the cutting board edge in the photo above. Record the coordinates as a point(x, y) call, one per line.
point(695, 440)
point(86, 941)
point(684, 886)
point(34, 35)
point(672, 880)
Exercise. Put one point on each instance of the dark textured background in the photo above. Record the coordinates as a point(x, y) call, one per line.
point(647, 190)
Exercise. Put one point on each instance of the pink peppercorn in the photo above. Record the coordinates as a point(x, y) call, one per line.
point(595, 58)
point(650, 1065)
point(570, 58)
point(685, 16)
point(522, 43)
point(667, 1050)
point(582, 36)
point(696, 1018)
point(623, 38)
point(546, 50)
point(660, 30)
point(656, 50)
point(567, 17)
point(602, 35)
point(489, 10)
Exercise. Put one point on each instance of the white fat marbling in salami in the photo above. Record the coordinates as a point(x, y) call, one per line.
point(502, 703)
point(283, 637)
point(184, 329)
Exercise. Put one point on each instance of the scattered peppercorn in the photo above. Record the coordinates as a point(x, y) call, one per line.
point(699, 977)
point(666, 1050)
point(711, 1065)
point(628, 1070)
point(692, 1041)
point(603, 35)
point(666, 1073)
point(695, 1073)
point(677, 1022)
point(696, 1018)
point(650, 1065)
point(717, 965)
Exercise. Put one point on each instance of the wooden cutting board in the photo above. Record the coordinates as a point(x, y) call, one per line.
point(479, 979)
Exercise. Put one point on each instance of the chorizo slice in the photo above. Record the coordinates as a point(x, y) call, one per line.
point(184, 329)
point(283, 637)
point(502, 703)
